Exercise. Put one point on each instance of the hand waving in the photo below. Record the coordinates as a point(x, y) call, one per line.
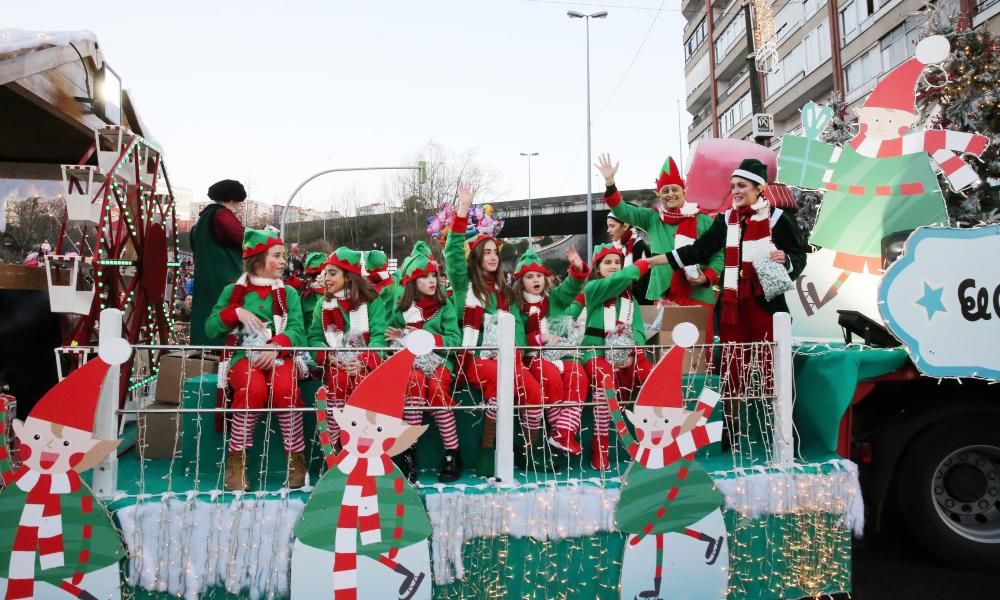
point(465, 197)
point(608, 170)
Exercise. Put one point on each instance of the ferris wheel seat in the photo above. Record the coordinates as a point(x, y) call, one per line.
point(71, 288)
point(79, 191)
point(110, 141)
point(149, 164)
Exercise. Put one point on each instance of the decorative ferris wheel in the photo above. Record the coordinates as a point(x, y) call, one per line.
point(117, 246)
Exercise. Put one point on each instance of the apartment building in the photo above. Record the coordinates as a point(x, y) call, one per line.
point(823, 45)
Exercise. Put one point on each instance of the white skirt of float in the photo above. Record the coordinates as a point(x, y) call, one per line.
point(102, 583)
point(859, 292)
point(685, 574)
point(312, 573)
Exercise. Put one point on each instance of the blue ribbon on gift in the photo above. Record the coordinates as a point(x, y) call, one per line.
point(815, 118)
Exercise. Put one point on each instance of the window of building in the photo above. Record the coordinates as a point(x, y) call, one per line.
point(816, 46)
point(787, 19)
point(863, 70)
point(900, 44)
point(735, 114)
point(696, 39)
point(697, 75)
point(809, 7)
point(730, 36)
point(854, 17)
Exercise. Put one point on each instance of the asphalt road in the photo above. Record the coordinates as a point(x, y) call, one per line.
point(889, 564)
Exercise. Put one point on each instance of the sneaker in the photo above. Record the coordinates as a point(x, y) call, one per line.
point(566, 440)
point(451, 466)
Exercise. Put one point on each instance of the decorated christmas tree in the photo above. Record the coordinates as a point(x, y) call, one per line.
point(964, 95)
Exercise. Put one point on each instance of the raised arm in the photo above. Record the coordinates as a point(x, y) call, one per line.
point(454, 247)
point(703, 250)
point(565, 293)
point(600, 291)
point(631, 214)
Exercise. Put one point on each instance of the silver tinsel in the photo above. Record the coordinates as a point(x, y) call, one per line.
point(491, 334)
point(256, 340)
point(622, 345)
point(563, 331)
point(773, 277)
point(350, 340)
point(428, 363)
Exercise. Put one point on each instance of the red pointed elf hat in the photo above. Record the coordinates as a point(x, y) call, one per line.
point(73, 401)
point(669, 174)
point(384, 390)
point(663, 386)
point(897, 90)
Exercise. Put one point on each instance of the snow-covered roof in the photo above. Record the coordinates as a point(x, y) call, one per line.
point(19, 41)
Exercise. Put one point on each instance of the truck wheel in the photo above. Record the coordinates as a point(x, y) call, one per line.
point(949, 491)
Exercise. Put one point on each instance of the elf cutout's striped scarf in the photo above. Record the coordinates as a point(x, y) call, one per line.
point(474, 312)
point(941, 144)
point(279, 307)
point(742, 248)
point(41, 528)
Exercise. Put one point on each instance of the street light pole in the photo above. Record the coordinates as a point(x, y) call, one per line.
point(590, 178)
point(529, 155)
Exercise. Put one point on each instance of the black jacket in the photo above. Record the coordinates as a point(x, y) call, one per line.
point(784, 235)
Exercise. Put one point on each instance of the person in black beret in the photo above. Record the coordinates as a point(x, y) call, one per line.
point(216, 241)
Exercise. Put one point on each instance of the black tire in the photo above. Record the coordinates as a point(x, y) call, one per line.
point(957, 517)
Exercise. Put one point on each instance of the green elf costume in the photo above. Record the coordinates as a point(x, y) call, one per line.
point(376, 270)
point(313, 292)
point(884, 180)
point(362, 505)
point(667, 230)
point(278, 306)
point(430, 382)
point(664, 489)
point(52, 529)
point(344, 321)
point(613, 319)
point(563, 379)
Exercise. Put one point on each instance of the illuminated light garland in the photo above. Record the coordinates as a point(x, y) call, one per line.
point(765, 41)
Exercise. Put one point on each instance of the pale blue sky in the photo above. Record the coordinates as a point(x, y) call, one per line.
point(270, 92)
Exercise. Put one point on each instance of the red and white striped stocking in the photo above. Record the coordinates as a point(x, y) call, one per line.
point(448, 428)
point(241, 430)
point(291, 431)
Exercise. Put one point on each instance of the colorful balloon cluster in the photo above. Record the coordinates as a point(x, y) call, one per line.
point(483, 218)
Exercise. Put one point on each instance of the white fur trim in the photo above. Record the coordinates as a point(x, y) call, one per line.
point(933, 49)
point(419, 342)
point(689, 208)
point(748, 175)
point(685, 335)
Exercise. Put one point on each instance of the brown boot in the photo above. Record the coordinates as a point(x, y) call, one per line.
point(296, 470)
point(236, 473)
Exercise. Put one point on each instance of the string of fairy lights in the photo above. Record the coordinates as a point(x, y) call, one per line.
point(528, 540)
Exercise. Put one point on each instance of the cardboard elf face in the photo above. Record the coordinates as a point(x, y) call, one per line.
point(657, 427)
point(50, 448)
point(370, 434)
point(885, 123)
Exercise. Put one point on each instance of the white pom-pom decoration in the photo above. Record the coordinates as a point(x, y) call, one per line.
point(685, 335)
point(111, 346)
point(419, 342)
point(933, 49)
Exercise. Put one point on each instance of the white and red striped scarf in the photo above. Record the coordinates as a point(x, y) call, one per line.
point(40, 527)
point(742, 249)
point(279, 311)
point(613, 317)
point(941, 144)
point(536, 310)
point(421, 311)
point(625, 244)
point(335, 326)
point(687, 443)
point(474, 313)
point(358, 516)
point(686, 233)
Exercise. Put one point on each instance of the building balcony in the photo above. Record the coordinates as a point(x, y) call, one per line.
point(691, 9)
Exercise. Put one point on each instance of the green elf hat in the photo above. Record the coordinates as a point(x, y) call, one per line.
point(479, 239)
point(669, 174)
point(421, 247)
point(346, 259)
point(753, 170)
point(602, 250)
point(416, 266)
point(375, 260)
point(530, 261)
point(256, 241)
point(314, 262)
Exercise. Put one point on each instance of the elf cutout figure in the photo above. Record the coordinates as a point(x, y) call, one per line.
point(363, 523)
point(883, 182)
point(664, 491)
point(56, 539)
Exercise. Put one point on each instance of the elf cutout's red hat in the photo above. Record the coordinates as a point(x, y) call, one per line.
point(663, 386)
point(384, 389)
point(898, 89)
point(73, 401)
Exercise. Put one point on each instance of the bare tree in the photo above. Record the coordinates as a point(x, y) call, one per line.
point(444, 171)
point(30, 222)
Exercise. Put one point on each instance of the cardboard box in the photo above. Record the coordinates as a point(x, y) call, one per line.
point(696, 360)
point(175, 367)
point(159, 434)
point(648, 312)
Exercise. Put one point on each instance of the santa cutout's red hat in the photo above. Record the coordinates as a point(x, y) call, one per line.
point(897, 90)
point(73, 401)
point(384, 389)
point(663, 386)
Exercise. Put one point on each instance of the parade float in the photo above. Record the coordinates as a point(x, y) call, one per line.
point(772, 516)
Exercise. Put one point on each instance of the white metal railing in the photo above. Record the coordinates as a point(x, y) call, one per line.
point(775, 392)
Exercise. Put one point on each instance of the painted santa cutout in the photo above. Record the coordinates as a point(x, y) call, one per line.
point(364, 531)
point(669, 506)
point(56, 539)
point(882, 183)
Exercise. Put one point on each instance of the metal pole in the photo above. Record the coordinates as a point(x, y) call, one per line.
point(680, 137)
point(392, 236)
point(590, 179)
point(529, 202)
